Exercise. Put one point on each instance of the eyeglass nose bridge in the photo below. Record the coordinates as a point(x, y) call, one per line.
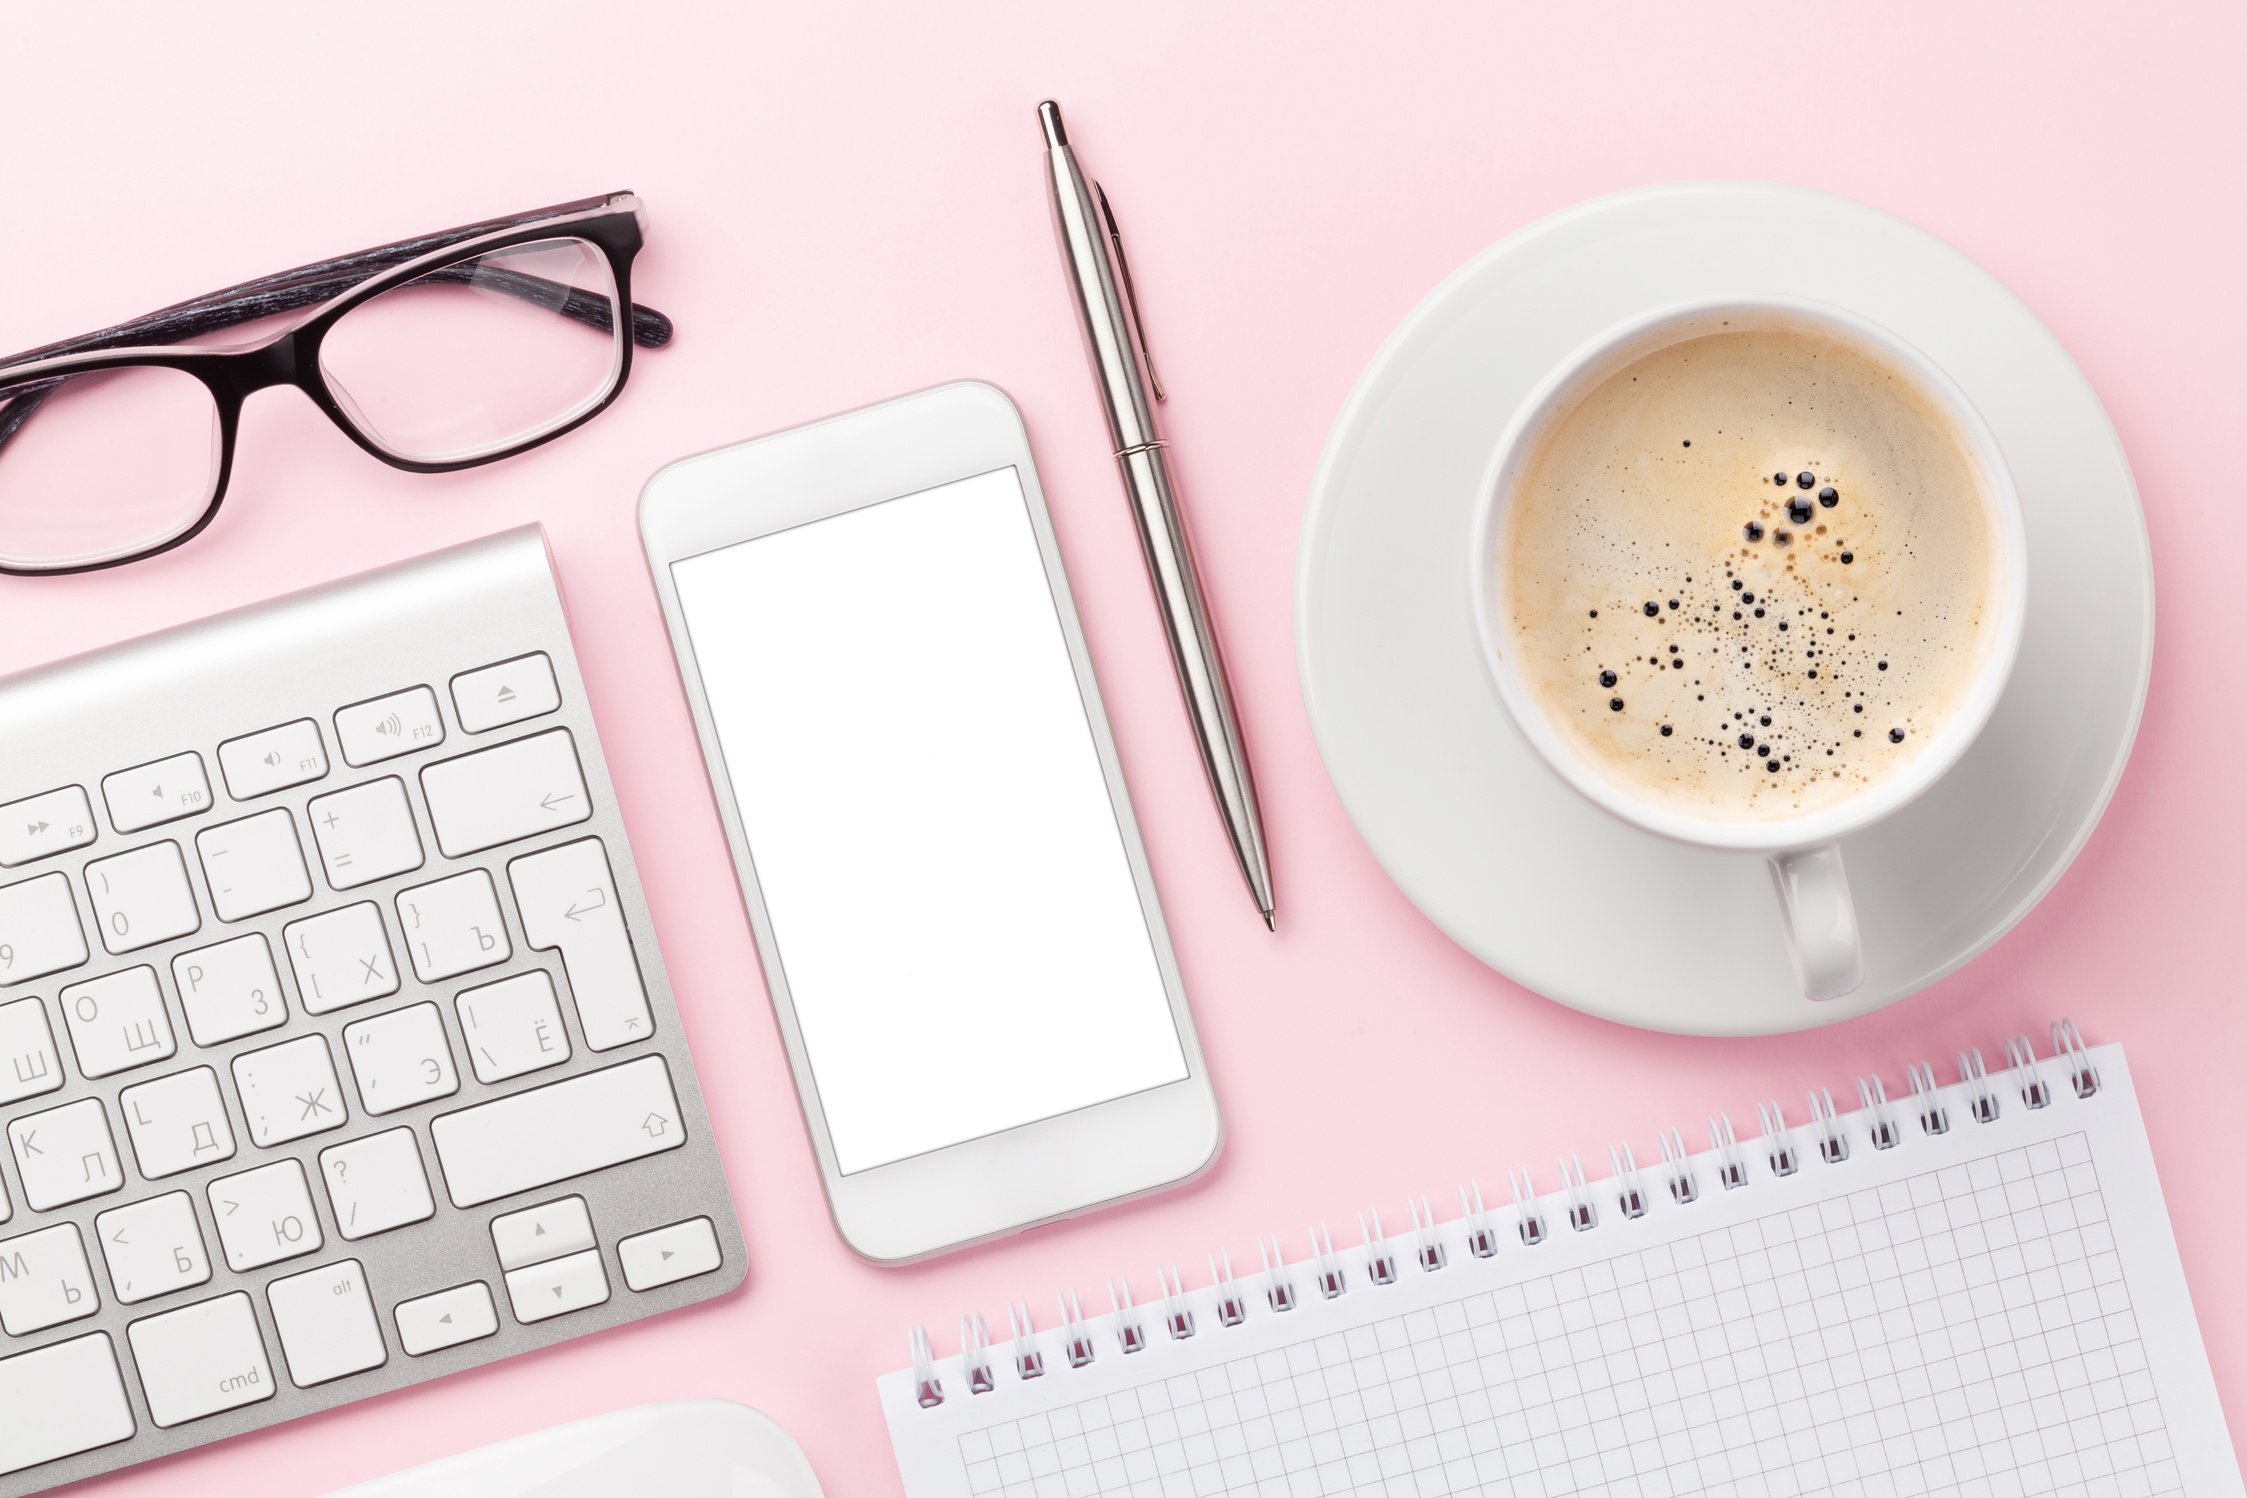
point(278, 361)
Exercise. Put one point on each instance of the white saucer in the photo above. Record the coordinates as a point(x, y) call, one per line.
point(1480, 833)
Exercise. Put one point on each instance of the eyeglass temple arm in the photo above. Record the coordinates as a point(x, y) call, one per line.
point(650, 328)
point(309, 285)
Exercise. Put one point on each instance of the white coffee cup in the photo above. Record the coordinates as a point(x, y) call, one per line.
point(1803, 850)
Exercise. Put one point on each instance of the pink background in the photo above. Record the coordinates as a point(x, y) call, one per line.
point(847, 205)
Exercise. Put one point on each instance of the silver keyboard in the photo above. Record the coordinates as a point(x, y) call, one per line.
point(335, 1050)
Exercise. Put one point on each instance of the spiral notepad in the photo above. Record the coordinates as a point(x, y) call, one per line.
point(1967, 1288)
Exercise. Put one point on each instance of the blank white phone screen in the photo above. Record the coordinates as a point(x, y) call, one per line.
point(928, 820)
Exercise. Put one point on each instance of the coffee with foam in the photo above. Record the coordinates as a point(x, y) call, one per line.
point(1749, 575)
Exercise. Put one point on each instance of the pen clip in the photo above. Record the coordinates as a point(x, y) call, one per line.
point(1131, 293)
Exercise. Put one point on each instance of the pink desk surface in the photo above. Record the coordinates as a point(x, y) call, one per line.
point(846, 205)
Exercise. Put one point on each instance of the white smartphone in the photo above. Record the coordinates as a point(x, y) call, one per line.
point(950, 899)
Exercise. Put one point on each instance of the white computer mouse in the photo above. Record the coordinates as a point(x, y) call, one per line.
point(687, 1448)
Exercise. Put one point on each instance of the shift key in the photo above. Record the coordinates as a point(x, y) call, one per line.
point(549, 1134)
point(519, 789)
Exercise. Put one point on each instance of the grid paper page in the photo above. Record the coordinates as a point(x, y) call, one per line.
point(1995, 1311)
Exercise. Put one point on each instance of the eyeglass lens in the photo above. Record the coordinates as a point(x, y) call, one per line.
point(102, 465)
point(480, 355)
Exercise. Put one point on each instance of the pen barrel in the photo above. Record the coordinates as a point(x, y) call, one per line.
point(1199, 659)
point(1098, 294)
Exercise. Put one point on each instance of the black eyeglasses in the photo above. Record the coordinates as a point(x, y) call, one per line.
point(434, 354)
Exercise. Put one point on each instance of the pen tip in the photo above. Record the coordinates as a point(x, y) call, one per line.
point(1270, 924)
point(1049, 115)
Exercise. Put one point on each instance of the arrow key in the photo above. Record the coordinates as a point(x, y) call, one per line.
point(556, 1288)
point(446, 1319)
point(668, 1255)
point(536, 1234)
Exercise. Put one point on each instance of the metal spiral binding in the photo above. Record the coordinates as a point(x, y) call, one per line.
point(2021, 1057)
point(1683, 1187)
point(1178, 1317)
point(1231, 1310)
point(1326, 1268)
point(1779, 1140)
point(1075, 1340)
point(1933, 1117)
point(1581, 1214)
point(1981, 1098)
point(1623, 1166)
point(2067, 1044)
point(1578, 1197)
point(1131, 1334)
point(1028, 1361)
point(1380, 1264)
point(1532, 1227)
point(1833, 1145)
point(1872, 1097)
point(926, 1390)
point(975, 1354)
point(1481, 1241)
point(1278, 1288)
point(1429, 1249)
point(1731, 1170)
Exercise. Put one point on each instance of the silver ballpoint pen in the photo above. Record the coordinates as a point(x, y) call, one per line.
point(1116, 342)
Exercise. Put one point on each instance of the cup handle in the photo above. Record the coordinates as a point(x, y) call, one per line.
point(1821, 921)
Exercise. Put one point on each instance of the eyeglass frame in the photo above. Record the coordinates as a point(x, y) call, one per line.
point(613, 223)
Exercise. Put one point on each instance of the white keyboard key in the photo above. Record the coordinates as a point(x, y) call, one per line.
point(327, 1323)
point(46, 824)
point(567, 897)
point(494, 796)
point(557, 1287)
point(511, 1027)
point(160, 792)
point(289, 1090)
point(453, 926)
point(272, 759)
point(341, 958)
point(264, 1216)
point(401, 1058)
point(365, 833)
point(668, 1255)
point(450, 1317)
point(548, 1134)
point(142, 897)
point(376, 1184)
point(29, 1065)
point(153, 1247)
point(229, 990)
point(65, 1155)
point(177, 1123)
point(551, 1230)
point(506, 693)
point(39, 930)
point(201, 1359)
point(389, 726)
point(254, 865)
point(45, 1280)
point(118, 1021)
point(61, 1400)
